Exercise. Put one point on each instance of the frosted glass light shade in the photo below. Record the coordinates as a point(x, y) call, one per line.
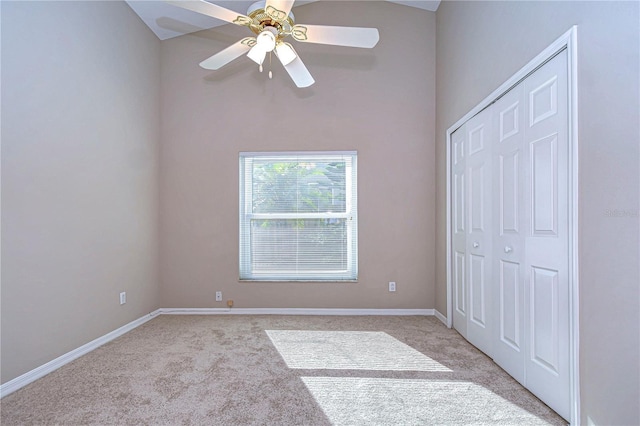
point(257, 54)
point(285, 53)
point(265, 42)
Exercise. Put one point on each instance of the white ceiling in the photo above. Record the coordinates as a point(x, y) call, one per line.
point(168, 21)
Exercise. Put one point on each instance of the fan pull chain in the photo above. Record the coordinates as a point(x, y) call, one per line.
point(260, 68)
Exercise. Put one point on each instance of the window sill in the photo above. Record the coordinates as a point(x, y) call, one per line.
point(254, 280)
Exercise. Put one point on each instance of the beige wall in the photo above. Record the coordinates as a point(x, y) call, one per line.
point(80, 123)
point(479, 46)
point(380, 102)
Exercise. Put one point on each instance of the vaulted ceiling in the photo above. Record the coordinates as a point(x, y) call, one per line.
point(168, 21)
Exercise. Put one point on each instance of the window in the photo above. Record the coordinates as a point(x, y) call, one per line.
point(298, 216)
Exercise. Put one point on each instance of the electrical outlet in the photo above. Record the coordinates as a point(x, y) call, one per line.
point(218, 296)
point(392, 286)
point(123, 297)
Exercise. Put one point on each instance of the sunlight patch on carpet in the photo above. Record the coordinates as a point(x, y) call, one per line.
point(349, 350)
point(375, 401)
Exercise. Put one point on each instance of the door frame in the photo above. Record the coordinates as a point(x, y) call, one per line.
point(568, 41)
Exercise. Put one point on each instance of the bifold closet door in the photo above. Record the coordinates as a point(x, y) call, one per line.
point(459, 229)
point(472, 199)
point(479, 132)
point(510, 232)
point(510, 224)
point(530, 241)
point(547, 240)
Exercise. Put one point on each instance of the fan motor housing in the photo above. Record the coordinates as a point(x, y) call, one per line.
point(261, 20)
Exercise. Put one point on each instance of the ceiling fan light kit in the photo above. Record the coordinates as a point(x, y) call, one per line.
point(265, 42)
point(272, 21)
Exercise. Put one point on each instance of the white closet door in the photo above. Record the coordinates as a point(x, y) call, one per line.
point(510, 224)
point(479, 132)
point(511, 232)
point(547, 243)
point(459, 224)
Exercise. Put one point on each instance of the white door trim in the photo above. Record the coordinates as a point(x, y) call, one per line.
point(568, 41)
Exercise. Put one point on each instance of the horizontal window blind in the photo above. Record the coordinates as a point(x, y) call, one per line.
point(298, 216)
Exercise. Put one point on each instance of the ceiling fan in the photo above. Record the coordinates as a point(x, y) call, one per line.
point(272, 21)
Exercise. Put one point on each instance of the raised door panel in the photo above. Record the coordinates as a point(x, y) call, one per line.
point(478, 197)
point(509, 350)
point(510, 306)
point(460, 284)
point(544, 186)
point(458, 149)
point(478, 290)
point(544, 326)
point(543, 100)
point(459, 204)
point(509, 193)
point(509, 115)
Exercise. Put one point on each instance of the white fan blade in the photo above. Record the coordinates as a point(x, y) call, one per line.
point(213, 10)
point(298, 72)
point(338, 36)
point(278, 9)
point(227, 55)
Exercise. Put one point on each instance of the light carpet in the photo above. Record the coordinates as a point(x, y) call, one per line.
point(280, 370)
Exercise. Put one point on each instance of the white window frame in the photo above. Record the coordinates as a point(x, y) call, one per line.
point(246, 216)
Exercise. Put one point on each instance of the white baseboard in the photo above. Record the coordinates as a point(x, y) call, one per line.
point(442, 318)
point(38, 372)
point(293, 311)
